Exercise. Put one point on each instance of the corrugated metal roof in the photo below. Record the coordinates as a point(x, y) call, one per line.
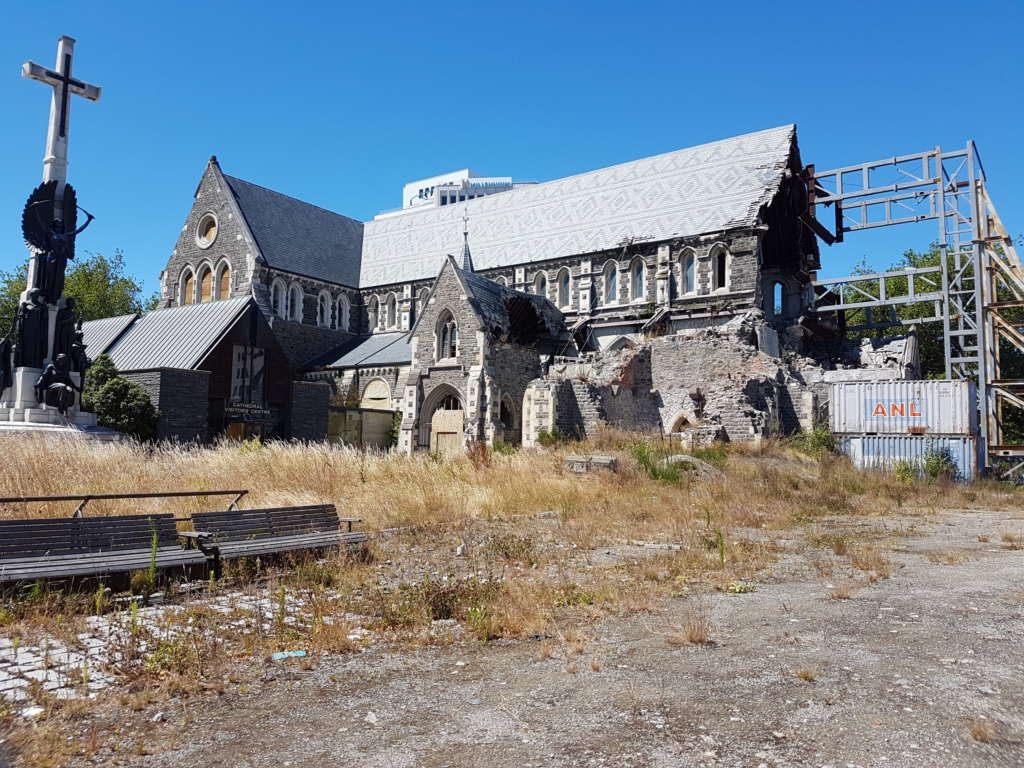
point(375, 349)
point(99, 335)
point(178, 337)
point(692, 191)
point(298, 237)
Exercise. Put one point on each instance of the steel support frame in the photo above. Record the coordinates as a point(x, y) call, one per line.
point(979, 263)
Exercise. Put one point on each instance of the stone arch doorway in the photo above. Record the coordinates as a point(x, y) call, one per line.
point(507, 416)
point(682, 422)
point(442, 421)
point(622, 342)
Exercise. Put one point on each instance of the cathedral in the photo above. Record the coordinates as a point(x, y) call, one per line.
point(649, 295)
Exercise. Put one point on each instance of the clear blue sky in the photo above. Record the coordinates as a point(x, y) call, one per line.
point(340, 105)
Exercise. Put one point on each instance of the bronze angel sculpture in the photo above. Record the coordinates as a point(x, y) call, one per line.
point(50, 239)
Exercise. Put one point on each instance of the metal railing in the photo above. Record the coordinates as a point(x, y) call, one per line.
point(86, 498)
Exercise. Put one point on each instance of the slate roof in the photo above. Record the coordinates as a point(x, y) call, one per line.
point(300, 238)
point(179, 337)
point(375, 349)
point(493, 301)
point(704, 189)
point(99, 335)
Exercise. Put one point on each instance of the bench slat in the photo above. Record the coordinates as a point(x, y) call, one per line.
point(240, 533)
point(62, 547)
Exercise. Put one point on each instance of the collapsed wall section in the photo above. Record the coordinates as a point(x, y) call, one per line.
point(713, 383)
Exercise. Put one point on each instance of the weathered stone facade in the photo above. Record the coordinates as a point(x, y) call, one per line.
point(231, 257)
point(480, 375)
point(309, 410)
point(181, 397)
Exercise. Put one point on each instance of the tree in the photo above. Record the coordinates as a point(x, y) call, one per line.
point(118, 403)
point(98, 284)
point(929, 335)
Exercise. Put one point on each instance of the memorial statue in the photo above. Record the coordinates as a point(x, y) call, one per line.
point(33, 319)
point(79, 360)
point(56, 387)
point(6, 376)
point(51, 239)
point(64, 331)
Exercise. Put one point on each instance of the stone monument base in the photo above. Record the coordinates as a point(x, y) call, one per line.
point(46, 421)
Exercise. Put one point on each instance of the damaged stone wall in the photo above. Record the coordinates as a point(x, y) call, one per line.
point(721, 382)
point(654, 387)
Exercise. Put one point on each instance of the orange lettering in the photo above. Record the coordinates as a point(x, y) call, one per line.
point(898, 409)
point(914, 413)
point(879, 411)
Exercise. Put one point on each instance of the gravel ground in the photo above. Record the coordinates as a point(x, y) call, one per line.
point(900, 672)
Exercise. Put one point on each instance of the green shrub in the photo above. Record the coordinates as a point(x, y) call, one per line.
point(118, 403)
point(549, 439)
point(906, 470)
point(396, 429)
point(714, 454)
point(817, 441)
point(938, 463)
point(649, 460)
point(505, 449)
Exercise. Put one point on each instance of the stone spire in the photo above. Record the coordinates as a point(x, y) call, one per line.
point(467, 259)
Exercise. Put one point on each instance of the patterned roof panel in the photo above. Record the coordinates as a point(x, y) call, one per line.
point(693, 191)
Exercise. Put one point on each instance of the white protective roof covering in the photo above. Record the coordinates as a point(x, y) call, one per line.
point(693, 191)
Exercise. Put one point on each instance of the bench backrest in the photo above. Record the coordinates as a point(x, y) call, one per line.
point(82, 535)
point(276, 521)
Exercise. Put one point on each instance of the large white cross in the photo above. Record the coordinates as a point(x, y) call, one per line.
point(56, 161)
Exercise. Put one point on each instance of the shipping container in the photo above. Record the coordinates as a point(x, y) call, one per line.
point(930, 407)
point(883, 451)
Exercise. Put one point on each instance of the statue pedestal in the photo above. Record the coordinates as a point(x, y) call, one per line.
point(19, 412)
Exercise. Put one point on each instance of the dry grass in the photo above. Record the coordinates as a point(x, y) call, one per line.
point(695, 628)
point(872, 562)
point(1014, 541)
point(531, 533)
point(806, 674)
point(947, 557)
point(980, 730)
point(843, 593)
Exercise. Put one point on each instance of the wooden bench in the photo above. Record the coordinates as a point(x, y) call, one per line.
point(59, 548)
point(252, 532)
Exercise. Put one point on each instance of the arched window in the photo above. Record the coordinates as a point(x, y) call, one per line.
point(564, 289)
point(500, 280)
point(507, 413)
point(447, 337)
point(206, 286)
point(420, 306)
point(689, 272)
point(374, 314)
point(720, 269)
point(637, 274)
point(392, 311)
point(295, 304)
point(278, 299)
point(449, 403)
point(611, 283)
point(540, 284)
point(376, 396)
point(778, 299)
point(187, 288)
point(342, 320)
point(223, 282)
point(323, 310)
